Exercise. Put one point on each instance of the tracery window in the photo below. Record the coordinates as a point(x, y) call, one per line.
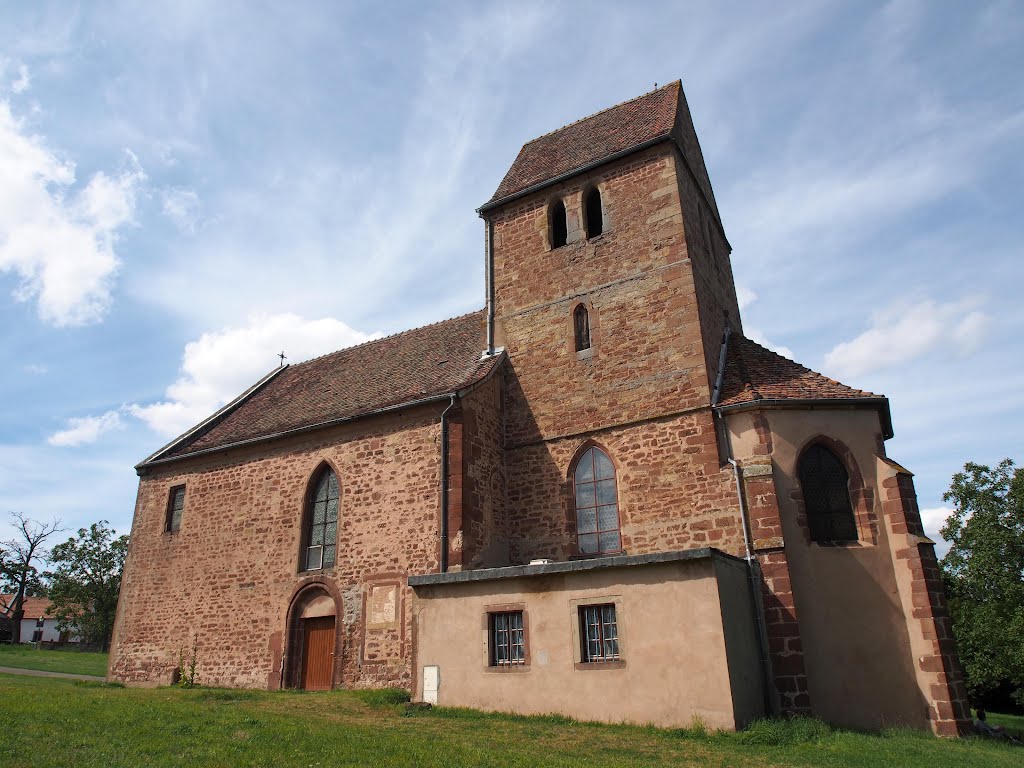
point(597, 507)
point(322, 522)
point(826, 490)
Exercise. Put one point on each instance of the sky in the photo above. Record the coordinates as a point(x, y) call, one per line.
point(189, 188)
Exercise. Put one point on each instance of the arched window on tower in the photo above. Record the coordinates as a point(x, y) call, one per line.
point(597, 506)
point(826, 490)
point(592, 211)
point(321, 533)
point(581, 326)
point(557, 223)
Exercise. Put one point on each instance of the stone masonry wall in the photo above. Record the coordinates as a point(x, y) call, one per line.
point(646, 358)
point(672, 493)
point(227, 577)
point(484, 520)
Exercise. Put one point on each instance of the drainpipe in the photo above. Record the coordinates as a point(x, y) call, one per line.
point(753, 567)
point(444, 485)
point(489, 280)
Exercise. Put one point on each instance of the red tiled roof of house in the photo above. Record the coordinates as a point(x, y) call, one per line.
point(592, 139)
point(753, 373)
point(414, 365)
point(35, 607)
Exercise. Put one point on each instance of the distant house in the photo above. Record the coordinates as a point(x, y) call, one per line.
point(36, 625)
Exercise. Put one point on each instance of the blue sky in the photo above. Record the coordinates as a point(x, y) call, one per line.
point(187, 188)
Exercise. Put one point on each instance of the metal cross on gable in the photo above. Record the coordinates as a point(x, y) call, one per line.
point(283, 358)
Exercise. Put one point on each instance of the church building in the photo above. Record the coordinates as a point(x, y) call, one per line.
point(594, 496)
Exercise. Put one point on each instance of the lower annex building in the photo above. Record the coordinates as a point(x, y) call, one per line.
point(594, 496)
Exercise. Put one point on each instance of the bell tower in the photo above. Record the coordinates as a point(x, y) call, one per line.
point(612, 282)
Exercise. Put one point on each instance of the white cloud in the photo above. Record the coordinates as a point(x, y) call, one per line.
point(58, 241)
point(903, 333)
point(182, 207)
point(221, 365)
point(35, 368)
point(744, 296)
point(758, 338)
point(23, 82)
point(933, 519)
point(81, 431)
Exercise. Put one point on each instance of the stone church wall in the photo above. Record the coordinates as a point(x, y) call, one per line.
point(227, 577)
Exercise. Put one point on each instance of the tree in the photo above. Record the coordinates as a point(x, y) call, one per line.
point(984, 572)
point(86, 580)
point(18, 556)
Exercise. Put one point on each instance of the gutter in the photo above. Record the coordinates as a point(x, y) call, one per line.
point(880, 403)
point(443, 562)
point(145, 464)
point(489, 280)
point(753, 566)
point(491, 205)
point(211, 420)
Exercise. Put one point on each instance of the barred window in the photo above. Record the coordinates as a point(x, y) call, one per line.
point(599, 634)
point(827, 496)
point(507, 639)
point(322, 526)
point(175, 507)
point(597, 508)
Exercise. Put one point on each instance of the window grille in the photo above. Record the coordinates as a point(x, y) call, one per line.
point(826, 491)
point(599, 634)
point(507, 639)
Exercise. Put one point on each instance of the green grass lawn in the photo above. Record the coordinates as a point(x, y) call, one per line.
point(77, 662)
point(53, 722)
point(1014, 724)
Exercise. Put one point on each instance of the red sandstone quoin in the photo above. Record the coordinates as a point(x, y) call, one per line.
point(594, 496)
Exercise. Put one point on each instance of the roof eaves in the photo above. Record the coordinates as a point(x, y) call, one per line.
point(211, 420)
point(880, 403)
point(493, 203)
point(469, 385)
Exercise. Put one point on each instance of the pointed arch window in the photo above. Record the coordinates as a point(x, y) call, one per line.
point(597, 506)
point(322, 522)
point(592, 210)
point(557, 222)
point(581, 326)
point(825, 484)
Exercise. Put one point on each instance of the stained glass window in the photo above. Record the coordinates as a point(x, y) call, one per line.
point(597, 508)
point(827, 496)
point(322, 535)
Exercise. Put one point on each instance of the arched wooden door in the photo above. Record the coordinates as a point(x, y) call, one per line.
point(318, 653)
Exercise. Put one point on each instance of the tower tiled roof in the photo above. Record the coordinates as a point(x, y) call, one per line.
point(592, 139)
point(756, 374)
point(415, 365)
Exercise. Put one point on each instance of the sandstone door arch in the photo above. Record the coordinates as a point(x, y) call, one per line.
point(312, 641)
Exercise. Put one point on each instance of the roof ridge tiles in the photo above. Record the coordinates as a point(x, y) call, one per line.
point(677, 82)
